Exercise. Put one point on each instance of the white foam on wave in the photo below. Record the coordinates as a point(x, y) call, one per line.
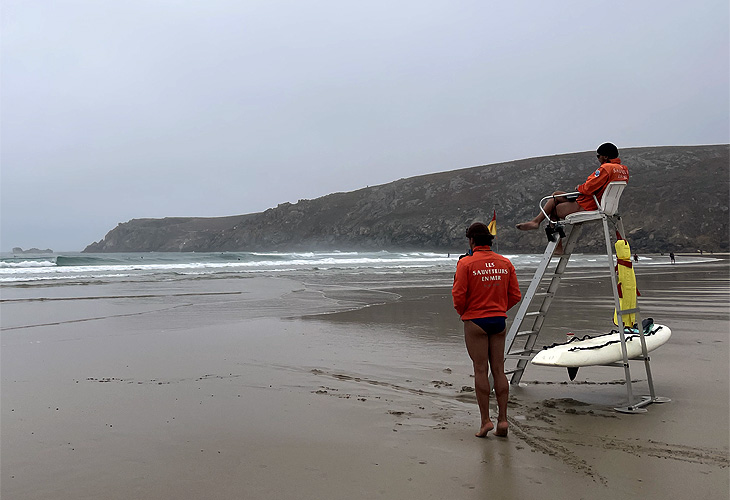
point(26, 264)
point(273, 262)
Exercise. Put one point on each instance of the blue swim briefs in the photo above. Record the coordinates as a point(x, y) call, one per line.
point(494, 324)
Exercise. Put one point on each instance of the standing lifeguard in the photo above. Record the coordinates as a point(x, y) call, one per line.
point(485, 288)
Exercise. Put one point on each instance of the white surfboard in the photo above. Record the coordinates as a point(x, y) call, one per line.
point(601, 349)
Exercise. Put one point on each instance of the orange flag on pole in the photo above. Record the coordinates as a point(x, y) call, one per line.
point(492, 226)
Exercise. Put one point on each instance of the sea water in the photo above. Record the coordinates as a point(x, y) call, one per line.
point(80, 268)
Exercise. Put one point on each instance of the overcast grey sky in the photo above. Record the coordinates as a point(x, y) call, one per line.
point(113, 110)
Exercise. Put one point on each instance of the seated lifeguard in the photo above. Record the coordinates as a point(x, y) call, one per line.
point(610, 170)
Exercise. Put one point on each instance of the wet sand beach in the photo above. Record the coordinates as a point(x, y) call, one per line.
point(307, 388)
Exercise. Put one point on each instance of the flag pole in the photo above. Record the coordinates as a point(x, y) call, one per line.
point(493, 227)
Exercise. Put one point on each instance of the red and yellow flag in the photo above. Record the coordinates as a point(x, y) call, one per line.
point(492, 226)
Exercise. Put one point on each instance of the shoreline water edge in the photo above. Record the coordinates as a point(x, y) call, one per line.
point(335, 375)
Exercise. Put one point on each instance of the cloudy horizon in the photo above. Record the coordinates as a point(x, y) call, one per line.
point(119, 110)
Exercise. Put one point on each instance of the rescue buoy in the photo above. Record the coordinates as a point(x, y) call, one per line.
point(627, 291)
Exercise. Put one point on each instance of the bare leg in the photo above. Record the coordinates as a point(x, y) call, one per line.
point(477, 345)
point(535, 223)
point(560, 206)
point(501, 385)
point(566, 208)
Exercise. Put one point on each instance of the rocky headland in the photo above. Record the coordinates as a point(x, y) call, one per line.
point(677, 200)
point(18, 250)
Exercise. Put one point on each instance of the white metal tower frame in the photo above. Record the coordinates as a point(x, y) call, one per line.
point(607, 211)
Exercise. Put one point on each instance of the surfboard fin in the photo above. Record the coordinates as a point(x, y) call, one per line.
point(572, 372)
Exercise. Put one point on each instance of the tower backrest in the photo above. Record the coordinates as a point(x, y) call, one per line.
point(611, 197)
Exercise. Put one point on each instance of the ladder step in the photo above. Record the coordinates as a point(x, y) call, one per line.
point(524, 354)
point(535, 313)
point(516, 370)
point(551, 276)
point(526, 333)
point(518, 356)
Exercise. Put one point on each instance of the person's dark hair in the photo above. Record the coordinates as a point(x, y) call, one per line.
point(608, 150)
point(479, 232)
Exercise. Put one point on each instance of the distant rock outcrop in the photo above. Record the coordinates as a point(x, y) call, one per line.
point(34, 250)
point(677, 200)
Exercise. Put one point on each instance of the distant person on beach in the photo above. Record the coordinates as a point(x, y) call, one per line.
point(636, 257)
point(671, 257)
point(485, 288)
point(610, 170)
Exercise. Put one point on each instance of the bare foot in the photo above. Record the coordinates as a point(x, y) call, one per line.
point(528, 226)
point(502, 428)
point(485, 429)
point(558, 249)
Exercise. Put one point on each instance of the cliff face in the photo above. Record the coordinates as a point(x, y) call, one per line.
point(677, 200)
